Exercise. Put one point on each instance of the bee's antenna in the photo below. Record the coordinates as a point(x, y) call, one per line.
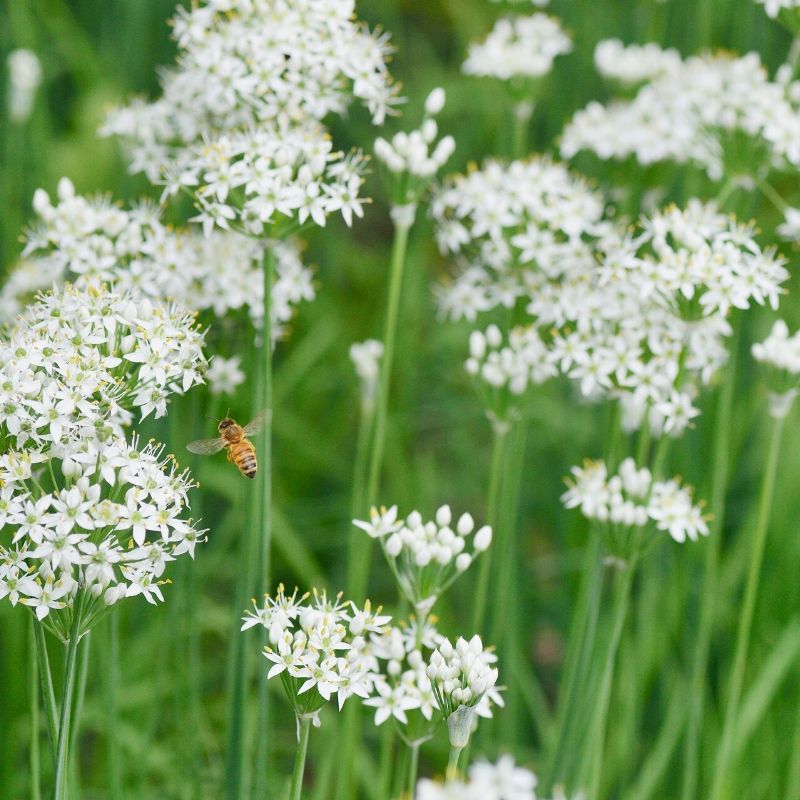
point(213, 419)
point(228, 413)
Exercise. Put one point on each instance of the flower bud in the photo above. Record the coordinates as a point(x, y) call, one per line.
point(435, 101)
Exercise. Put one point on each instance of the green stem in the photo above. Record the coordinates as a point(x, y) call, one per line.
point(721, 769)
point(452, 763)
point(492, 508)
point(584, 633)
point(82, 676)
point(46, 680)
point(62, 752)
point(522, 112)
point(769, 191)
point(296, 790)
point(720, 459)
point(112, 709)
point(597, 734)
point(413, 769)
point(399, 248)
point(385, 763)
point(35, 759)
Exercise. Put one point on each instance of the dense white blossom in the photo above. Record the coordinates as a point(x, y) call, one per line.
point(634, 63)
point(225, 375)
point(239, 125)
point(319, 647)
point(90, 241)
point(426, 556)
point(779, 354)
point(24, 77)
point(632, 499)
point(691, 112)
point(518, 46)
point(504, 780)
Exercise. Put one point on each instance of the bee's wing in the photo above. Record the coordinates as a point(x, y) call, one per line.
point(205, 447)
point(254, 426)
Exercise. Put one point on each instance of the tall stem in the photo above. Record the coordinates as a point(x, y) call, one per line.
point(35, 760)
point(402, 226)
point(62, 752)
point(492, 507)
point(452, 763)
point(296, 789)
point(708, 599)
point(746, 615)
point(597, 734)
point(413, 768)
point(46, 681)
point(112, 709)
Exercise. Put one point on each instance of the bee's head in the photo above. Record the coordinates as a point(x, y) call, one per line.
point(225, 424)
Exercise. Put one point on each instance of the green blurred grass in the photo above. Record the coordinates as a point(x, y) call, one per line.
point(97, 52)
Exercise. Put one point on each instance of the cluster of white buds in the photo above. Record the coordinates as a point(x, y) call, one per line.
point(513, 368)
point(775, 7)
point(504, 780)
point(780, 355)
point(518, 47)
point(461, 677)
point(734, 119)
point(90, 241)
point(402, 690)
point(319, 647)
point(632, 500)
point(24, 77)
point(426, 557)
point(366, 357)
point(635, 63)
point(410, 153)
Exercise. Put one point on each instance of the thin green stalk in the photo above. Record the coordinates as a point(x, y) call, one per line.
point(399, 247)
point(720, 460)
point(492, 504)
point(452, 763)
point(413, 769)
point(62, 752)
point(721, 769)
point(296, 790)
point(597, 733)
point(522, 112)
point(35, 760)
point(793, 779)
point(583, 634)
point(82, 676)
point(112, 709)
point(46, 680)
point(385, 763)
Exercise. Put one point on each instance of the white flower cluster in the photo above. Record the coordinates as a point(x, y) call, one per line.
point(518, 46)
point(503, 780)
point(632, 499)
point(91, 241)
point(780, 350)
point(508, 221)
point(319, 647)
point(410, 153)
point(366, 357)
point(461, 678)
point(239, 125)
point(106, 529)
point(77, 361)
point(225, 375)
point(774, 7)
point(523, 362)
point(426, 557)
point(24, 77)
point(402, 684)
point(689, 113)
point(635, 63)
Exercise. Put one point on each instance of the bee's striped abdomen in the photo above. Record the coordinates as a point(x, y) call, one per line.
point(243, 455)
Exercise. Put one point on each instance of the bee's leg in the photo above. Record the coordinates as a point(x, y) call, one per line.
point(230, 454)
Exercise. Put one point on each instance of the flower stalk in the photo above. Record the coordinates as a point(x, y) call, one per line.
point(296, 788)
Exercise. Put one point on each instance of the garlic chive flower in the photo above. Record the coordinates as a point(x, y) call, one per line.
point(775, 7)
point(319, 647)
point(504, 780)
point(98, 519)
point(734, 119)
point(24, 77)
point(402, 691)
point(366, 357)
point(779, 354)
point(426, 556)
point(411, 158)
point(518, 47)
point(224, 375)
point(89, 241)
point(631, 502)
point(463, 679)
point(633, 64)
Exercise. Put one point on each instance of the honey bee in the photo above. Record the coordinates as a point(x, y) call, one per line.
point(234, 437)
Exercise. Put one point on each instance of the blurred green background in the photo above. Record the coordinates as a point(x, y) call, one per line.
point(98, 52)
